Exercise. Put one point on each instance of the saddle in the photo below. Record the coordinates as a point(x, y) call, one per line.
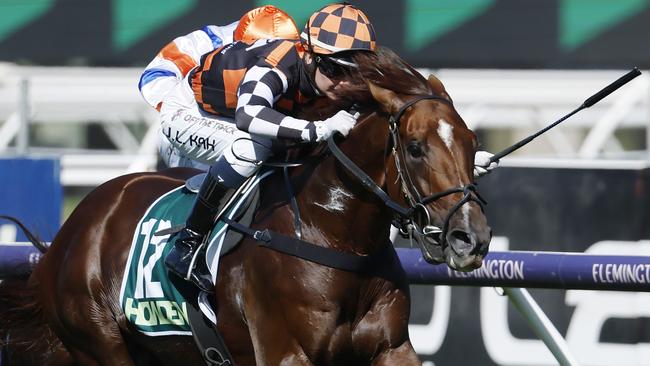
point(240, 207)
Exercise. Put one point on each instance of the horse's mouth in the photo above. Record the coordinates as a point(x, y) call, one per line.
point(465, 263)
point(433, 252)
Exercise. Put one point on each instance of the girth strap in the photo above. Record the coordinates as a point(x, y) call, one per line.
point(305, 250)
point(212, 346)
point(208, 340)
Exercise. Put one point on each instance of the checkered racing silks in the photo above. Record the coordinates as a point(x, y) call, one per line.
point(255, 114)
point(338, 27)
point(257, 84)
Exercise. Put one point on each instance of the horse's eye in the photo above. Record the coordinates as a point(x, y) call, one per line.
point(414, 149)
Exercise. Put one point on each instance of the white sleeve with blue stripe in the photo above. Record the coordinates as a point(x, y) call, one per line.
point(176, 59)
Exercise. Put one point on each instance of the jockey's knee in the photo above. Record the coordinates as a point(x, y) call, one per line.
point(232, 174)
point(243, 158)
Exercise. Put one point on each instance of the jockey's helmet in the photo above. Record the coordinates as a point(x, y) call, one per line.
point(338, 28)
point(265, 22)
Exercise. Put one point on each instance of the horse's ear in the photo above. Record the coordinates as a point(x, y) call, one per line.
point(437, 87)
point(387, 99)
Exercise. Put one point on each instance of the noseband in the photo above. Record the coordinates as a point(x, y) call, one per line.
point(406, 216)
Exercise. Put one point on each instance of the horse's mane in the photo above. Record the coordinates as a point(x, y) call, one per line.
point(383, 68)
point(386, 69)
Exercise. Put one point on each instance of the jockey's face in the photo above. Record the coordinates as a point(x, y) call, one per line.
point(328, 81)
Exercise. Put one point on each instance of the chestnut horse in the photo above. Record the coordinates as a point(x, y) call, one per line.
point(275, 309)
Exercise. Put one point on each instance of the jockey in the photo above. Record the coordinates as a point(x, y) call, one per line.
point(176, 59)
point(231, 108)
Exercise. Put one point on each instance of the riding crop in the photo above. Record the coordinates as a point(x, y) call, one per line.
point(586, 104)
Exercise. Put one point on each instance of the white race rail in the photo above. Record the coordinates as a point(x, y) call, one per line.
point(510, 102)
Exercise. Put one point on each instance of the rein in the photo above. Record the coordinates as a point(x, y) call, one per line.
point(407, 215)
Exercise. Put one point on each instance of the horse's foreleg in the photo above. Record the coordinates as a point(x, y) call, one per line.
point(386, 325)
point(402, 355)
point(272, 340)
point(272, 350)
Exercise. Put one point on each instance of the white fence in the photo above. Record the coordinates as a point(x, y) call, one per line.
point(512, 102)
point(57, 95)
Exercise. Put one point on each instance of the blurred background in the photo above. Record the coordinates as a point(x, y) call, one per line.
point(71, 117)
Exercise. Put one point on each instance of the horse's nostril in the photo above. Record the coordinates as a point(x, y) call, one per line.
point(462, 236)
point(460, 242)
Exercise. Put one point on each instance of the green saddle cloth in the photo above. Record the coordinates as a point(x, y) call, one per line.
point(148, 298)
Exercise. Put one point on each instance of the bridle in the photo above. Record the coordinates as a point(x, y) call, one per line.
point(405, 217)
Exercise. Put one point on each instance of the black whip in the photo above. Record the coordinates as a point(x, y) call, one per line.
point(586, 104)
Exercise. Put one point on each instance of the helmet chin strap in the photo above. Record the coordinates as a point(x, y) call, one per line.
point(311, 74)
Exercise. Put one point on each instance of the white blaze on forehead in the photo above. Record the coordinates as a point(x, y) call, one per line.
point(446, 132)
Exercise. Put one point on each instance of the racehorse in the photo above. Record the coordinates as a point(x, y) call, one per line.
point(410, 157)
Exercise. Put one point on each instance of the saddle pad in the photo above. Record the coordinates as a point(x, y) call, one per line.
point(147, 296)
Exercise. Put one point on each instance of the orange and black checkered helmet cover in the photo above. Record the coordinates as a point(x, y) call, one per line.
point(337, 28)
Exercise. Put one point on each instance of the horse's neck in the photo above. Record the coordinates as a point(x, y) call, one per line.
point(338, 210)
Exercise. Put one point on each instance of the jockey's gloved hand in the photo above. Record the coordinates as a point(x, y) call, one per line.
point(342, 122)
point(482, 164)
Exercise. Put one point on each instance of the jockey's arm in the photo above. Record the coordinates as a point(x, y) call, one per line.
point(178, 57)
point(260, 90)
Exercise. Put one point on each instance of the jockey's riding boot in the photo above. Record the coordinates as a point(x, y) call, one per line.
point(187, 257)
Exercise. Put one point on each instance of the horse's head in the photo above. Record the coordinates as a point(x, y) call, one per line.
point(431, 170)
